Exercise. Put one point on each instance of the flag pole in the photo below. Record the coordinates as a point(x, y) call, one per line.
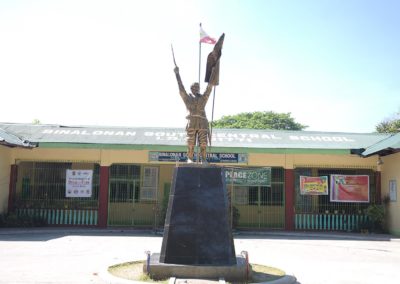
point(199, 59)
point(197, 144)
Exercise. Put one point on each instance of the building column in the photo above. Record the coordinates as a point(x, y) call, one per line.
point(289, 200)
point(378, 188)
point(103, 196)
point(12, 187)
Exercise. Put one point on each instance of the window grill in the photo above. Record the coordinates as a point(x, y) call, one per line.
point(259, 206)
point(41, 191)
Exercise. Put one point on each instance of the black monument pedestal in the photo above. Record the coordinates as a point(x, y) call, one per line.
point(197, 238)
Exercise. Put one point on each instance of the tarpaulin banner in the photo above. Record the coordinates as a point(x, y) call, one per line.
point(349, 188)
point(314, 185)
point(78, 183)
point(248, 176)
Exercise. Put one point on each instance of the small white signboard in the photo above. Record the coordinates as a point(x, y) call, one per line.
point(393, 190)
point(78, 183)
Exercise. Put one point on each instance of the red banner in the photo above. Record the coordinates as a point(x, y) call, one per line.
point(349, 188)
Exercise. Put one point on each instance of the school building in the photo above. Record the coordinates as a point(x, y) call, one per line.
point(121, 176)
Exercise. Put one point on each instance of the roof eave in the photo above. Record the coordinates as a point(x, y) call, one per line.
point(28, 145)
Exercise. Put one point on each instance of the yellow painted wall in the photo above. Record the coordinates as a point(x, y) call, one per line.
point(291, 161)
point(391, 171)
point(107, 157)
point(103, 156)
point(58, 154)
point(5, 162)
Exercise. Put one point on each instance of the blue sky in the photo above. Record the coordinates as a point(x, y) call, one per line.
point(334, 65)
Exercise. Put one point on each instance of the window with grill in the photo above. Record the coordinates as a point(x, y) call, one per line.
point(42, 185)
point(124, 183)
point(263, 195)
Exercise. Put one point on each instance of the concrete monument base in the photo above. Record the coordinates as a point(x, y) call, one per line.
point(231, 273)
point(197, 229)
point(197, 241)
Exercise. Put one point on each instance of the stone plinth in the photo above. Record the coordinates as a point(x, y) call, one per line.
point(197, 227)
point(231, 273)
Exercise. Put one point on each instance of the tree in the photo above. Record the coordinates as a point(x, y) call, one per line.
point(259, 120)
point(391, 125)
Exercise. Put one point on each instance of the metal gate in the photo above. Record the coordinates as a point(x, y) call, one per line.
point(261, 207)
point(41, 193)
point(317, 212)
point(131, 201)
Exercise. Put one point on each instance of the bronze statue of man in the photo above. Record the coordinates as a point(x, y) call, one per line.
point(197, 123)
point(197, 128)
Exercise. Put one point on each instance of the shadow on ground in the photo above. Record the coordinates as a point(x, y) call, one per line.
point(46, 234)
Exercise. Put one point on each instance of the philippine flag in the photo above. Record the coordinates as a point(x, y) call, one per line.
point(205, 38)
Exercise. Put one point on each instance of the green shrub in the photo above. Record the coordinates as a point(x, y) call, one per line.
point(376, 218)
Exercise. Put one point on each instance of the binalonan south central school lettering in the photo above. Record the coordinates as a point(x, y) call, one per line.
point(320, 138)
point(86, 132)
point(217, 136)
point(155, 156)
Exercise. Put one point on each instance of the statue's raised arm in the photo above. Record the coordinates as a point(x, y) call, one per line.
point(182, 90)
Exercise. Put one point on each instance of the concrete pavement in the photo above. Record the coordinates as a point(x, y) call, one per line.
point(69, 255)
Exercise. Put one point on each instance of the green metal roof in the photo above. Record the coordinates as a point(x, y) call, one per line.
point(150, 137)
point(384, 147)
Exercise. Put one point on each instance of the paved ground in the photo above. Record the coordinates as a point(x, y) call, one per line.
point(81, 256)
